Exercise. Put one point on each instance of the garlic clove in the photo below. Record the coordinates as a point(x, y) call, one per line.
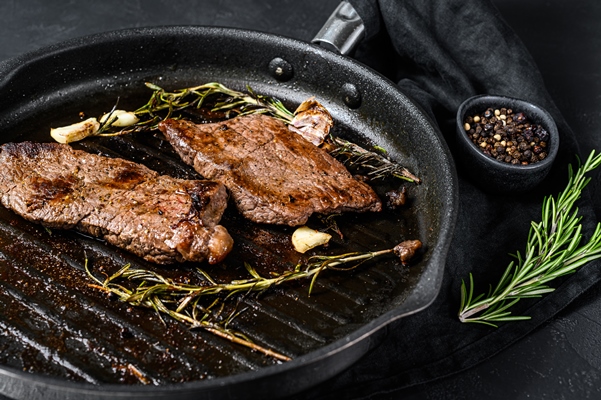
point(120, 118)
point(305, 238)
point(75, 132)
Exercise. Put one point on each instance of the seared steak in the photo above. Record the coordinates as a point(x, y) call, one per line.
point(159, 218)
point(274, 176)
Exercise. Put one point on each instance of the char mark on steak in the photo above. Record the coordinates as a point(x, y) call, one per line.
point(274, 175)
point(159, 218)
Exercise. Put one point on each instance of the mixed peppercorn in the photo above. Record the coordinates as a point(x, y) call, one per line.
point(507, 136)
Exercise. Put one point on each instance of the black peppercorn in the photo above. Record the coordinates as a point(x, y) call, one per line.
point(507, 136)
point(542, 133)
point(519, 117)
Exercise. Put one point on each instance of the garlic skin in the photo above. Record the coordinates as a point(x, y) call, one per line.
point(75, 132)
point(120, 118)
point(312, 121)
point(305, 238)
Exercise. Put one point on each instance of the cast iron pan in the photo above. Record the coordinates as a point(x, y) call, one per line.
point(64, 339)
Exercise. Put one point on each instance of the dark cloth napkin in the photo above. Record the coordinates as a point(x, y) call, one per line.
point(441, 52)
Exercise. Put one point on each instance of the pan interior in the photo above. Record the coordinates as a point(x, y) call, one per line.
point(55, 325)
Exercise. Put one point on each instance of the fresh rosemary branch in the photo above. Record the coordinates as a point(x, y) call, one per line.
point(181, 300)
point(553, 250)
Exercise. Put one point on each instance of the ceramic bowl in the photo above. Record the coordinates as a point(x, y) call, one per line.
point(498, 176)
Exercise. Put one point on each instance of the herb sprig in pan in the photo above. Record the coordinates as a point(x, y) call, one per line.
point(553, 250)
point(164, 104)
point(181, 301)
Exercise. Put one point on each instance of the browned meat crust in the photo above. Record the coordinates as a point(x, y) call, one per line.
point(274, 175)
point(159, 218)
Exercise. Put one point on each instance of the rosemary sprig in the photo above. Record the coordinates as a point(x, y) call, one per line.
point(161, 296)
point(163, 104)
point(168, 103)
point(181, 301)
point(377, 165)
point(553, 250)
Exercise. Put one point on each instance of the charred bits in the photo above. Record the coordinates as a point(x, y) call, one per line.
point(406, 250)
point(396, 198)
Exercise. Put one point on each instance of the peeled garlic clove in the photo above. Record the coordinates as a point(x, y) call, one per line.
point(75, 132)
point(305, 238)
point(120, 118)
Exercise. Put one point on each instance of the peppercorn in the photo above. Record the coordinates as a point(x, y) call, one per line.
point(507, 136)
point(519, 117)
point(542, 133)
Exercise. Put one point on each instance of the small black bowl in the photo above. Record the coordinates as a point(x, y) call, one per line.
point(498, 176)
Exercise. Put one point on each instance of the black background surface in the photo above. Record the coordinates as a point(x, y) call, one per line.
point(562, 359)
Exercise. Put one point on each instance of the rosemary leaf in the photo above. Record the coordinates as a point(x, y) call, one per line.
point(553, 249)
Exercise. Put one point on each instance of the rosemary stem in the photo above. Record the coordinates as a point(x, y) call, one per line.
point(236, 339)
point(464, 317)
point(216, 330)
point(359, 257)
point(262, 283)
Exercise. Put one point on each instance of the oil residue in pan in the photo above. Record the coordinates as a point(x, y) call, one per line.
point(54, 323)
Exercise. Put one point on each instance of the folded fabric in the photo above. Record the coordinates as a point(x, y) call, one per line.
point(441, 52)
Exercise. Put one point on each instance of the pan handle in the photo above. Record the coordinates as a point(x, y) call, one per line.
point(342, 31)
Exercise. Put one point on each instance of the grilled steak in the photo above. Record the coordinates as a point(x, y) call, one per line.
point(159, 218)
point(274, 176)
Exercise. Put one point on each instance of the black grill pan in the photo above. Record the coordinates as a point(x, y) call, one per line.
point(63, 339)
